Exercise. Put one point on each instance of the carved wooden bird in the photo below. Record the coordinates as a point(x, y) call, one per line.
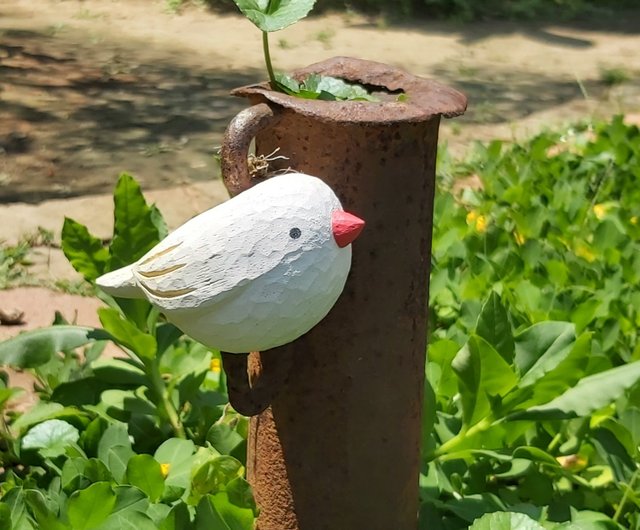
point(253, 273)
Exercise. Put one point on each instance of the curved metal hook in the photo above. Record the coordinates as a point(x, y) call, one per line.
point(250, 389)
point(250, 385)
point(237, 139)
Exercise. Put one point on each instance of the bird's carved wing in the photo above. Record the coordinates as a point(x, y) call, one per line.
point(189, 270)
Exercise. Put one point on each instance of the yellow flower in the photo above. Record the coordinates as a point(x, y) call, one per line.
point(480, 221)
point(481, 224)
point(520, 239)
point(164, 469)
point(572, 462)
point(471, 217)
point(585, 252)
point(215, 365)
point(634, 220)
point(600, 210)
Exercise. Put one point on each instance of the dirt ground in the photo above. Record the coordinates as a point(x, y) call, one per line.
point(94, 87)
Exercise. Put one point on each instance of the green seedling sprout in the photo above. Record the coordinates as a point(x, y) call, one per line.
point(273, 15)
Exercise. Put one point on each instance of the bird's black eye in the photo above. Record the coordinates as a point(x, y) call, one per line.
point(295, 233)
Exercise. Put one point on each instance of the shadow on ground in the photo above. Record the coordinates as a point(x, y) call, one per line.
point(71, 120)
point(620, 21)
point(72, 117)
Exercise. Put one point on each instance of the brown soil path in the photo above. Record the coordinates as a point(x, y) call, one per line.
point(94, 87)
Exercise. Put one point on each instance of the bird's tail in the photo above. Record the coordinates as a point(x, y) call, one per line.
point(120, 283)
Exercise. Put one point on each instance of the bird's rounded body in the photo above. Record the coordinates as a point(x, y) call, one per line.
point(253, 273)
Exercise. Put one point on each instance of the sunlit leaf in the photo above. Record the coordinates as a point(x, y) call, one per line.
point(127, 334)
point(590, 394)
point(34, 348)
point(85, 252)
point(505, 521)
point(134, 231)
point(494, 327)
point(482, 372)
point(88, 508)
point(274, 15)
point(51, 437)
point(144, 472)
point(541, 348)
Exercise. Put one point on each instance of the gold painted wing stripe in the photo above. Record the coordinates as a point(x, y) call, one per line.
point(161, 272)
point(167, 294)
point(161, 253)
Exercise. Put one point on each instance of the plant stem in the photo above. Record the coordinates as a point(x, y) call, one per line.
point(625, 497)
point(267, 59)
point(450, 445)
point(165, 403)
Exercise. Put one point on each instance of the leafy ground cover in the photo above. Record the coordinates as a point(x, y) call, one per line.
point(533, 397)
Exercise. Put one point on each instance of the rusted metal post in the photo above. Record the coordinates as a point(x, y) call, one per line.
point(337, 448)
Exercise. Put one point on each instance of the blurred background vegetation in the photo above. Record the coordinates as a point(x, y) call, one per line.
point(466, 10)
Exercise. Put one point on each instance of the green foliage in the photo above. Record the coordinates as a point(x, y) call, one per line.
point(325, 88)
point(536, 391)
point(143, 442)
point(554, 231)
point(13, 263)
point(532, 398)
point(274, 15)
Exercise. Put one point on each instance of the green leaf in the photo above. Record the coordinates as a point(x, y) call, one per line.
point(5, 516)
point(442, 353)
point(39, 412)
point(287, 84)
point(51, 437)
point(557, 380)
point(240, 494)
point(72, 474)
point(85, 252)
point(178, 455)
point(34, 348)
point(96, 471)
point(127, 400)
point(540, 348)
point(535, 454)
point(342, 90)
point(128, 521)
point(129, 499)
point(482, 373)
point(114, 449)
point(223, 438)
point(178, 519)
point(134, 230)
point(144, 472)
point(213, 475)
point(505, 521)
point(45, 513)
point(494, 327)
point(590, 394)
point(217, 511)
point(274, 15)
point(118, 372)
point(613, 451)
point(322, 87)
point(89, 507)
point(127, 334)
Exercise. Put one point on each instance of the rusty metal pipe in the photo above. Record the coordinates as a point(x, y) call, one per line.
point(338, 447)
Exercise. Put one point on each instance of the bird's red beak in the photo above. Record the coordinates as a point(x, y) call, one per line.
point(346, 227)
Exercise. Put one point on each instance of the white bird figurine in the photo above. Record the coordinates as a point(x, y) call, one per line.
point(253, 273)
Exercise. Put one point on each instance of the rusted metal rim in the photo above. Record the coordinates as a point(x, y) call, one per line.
point(425, 98)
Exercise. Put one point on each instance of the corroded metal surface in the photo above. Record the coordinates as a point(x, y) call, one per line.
point(425, 98)
point(338, 449)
